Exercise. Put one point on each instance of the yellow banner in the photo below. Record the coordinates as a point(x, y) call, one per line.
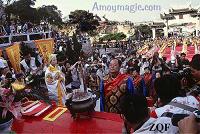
point(13, 53)
point(45, 48)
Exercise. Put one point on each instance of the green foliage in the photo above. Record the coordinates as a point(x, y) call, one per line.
point(84, 20)
point(77, 45)
point(116, 36)
point(23, 10)
point(77, 48)
point(51, 14)
point(73, 50)
point(143, 32)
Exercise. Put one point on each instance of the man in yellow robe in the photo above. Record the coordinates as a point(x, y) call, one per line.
point(54, 80)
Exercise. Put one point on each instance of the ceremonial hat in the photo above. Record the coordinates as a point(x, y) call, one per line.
point(51, 56)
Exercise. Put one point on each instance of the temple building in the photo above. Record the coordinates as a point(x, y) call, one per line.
point(158, 27)
point(106, 27)
point(182, 22)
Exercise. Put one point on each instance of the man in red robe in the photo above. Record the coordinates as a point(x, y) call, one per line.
point(138, 81)
point(113, 87)
point(148, 80)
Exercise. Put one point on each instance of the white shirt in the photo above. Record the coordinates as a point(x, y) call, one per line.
point(106, 68)
point(32, 64)
point(100, 73)
point(162, 125)
point(2, 63)
point(143, 66)
point(188, 100)
point(75, 75)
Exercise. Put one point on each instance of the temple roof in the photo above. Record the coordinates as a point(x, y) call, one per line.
point(182, 11)
point(195, 14)
point(182, 24)
point(158, 24)
point(172, 12)
point(167, 16)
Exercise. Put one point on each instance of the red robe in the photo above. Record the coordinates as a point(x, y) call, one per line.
point(114, 89)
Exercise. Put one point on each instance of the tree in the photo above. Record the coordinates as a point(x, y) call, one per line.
point(73, 50)
point(77, 47)
point(83, 20)
point(50, 14)
point(143, 32)
point(116, 36)
point(22, 9)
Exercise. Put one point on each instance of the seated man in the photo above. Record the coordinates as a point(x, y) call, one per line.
point(168, 89)
point(113, 87)
point(135, 114)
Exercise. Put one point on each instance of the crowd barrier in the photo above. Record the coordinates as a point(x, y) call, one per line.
point(29, 37)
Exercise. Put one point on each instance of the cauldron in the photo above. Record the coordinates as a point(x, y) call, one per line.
point(85, 104)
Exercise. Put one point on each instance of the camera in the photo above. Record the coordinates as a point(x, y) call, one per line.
point(177, 117)
point(185, 74)
point(194, 91)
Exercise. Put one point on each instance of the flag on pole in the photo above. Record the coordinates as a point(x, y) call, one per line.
point(13, 53)
point(45, 48)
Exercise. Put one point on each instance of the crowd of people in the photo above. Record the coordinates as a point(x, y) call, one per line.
point(148, 92)
point(16, 27)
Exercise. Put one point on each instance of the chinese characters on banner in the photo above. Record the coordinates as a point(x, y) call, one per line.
point(13, 53)
point(45, 48)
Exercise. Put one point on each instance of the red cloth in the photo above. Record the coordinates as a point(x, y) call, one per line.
point(110, 85)
point(100, 122)
point(153, 114)
point(150, 102)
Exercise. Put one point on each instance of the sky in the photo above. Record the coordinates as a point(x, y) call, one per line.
point(66, 6)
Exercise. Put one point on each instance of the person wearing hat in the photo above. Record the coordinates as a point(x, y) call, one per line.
point(54, 80)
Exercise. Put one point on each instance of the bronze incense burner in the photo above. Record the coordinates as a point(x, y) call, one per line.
point(81, 100)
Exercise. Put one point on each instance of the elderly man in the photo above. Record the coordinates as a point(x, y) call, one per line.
point(113, 87)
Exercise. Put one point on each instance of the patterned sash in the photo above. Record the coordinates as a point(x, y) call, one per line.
point(147, 79)
point(111, 84)
point(137, 81)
